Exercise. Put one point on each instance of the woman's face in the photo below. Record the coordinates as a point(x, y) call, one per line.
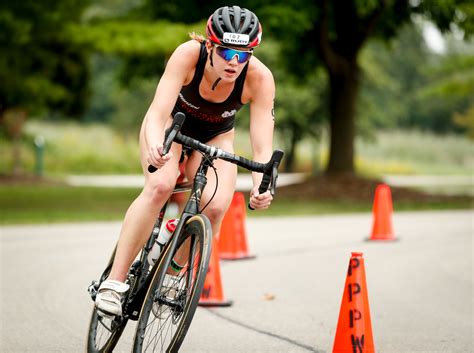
point(228, 61)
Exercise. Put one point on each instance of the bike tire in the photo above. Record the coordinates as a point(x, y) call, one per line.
point(180, 309)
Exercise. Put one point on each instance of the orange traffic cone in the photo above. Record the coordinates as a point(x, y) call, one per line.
point(232, 235)
point(212, 293)
point(382, 210)
point(354, 328)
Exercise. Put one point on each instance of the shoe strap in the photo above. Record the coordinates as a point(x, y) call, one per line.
point(114, 285)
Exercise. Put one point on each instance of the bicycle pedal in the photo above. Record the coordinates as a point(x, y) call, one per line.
point(103, 315)
point(92, 289)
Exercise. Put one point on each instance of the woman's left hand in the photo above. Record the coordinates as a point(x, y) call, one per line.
point(260, 201)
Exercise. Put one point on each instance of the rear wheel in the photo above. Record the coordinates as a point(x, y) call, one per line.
point(174, 294)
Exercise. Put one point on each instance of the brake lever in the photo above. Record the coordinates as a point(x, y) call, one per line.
point(170, 135)
point(274, 180)
point(270, 180)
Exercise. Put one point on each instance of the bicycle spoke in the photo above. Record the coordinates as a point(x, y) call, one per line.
point(157, 332)
point(101, 320)
point(102, 328)
point(150, 339)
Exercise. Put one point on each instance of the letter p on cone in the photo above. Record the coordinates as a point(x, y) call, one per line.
point(354, 327)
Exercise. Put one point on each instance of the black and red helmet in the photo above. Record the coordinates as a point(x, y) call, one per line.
point(235, 26)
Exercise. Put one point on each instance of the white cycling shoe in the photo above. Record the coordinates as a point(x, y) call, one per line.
point(109, 297)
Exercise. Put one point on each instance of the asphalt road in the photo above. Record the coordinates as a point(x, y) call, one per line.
point(420, 287)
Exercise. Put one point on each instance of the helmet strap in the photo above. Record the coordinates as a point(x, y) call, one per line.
point(210, 56)
point(215, 83)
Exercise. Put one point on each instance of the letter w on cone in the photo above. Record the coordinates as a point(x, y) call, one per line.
point(354, 327)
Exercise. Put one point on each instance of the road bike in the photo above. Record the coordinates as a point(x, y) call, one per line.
point(163, 298)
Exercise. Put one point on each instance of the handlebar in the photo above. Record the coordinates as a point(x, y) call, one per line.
point(170, 136)
point(269, 169)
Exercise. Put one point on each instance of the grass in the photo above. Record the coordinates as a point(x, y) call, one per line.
point(73, 148)
point(297, 208)
point(49, 204)
point(415, 152)
point(401, 153)
point(45, 204)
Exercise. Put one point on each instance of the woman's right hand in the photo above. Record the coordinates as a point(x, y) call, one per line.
point(156, 158)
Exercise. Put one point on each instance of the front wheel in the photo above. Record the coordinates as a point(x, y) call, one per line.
point(174, 292)
point(104, 332)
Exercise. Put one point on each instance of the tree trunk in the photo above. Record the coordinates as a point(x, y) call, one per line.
point(291, 152)
point(344, 87)
point(13, 120)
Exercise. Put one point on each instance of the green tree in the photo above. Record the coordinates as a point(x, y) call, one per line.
point(447, 89)
point(466, 121)
point(299, 104)
point(184, 11)
point(40, 69)
point(332, 33)
point(129, 57)
point(299, 115)
point(392, 73)
point(405, 84)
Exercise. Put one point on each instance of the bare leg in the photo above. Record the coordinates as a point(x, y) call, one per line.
point(142, 213)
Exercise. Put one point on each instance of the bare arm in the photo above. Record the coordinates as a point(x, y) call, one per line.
point(180, 64)
point(261, 130)
point(262, 121)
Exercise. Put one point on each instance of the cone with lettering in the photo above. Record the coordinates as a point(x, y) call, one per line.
point(354, 328)
point(232, 235)
point(382, 211)
point(212, 293)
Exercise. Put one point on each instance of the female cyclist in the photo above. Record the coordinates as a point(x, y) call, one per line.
point(208, 80)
